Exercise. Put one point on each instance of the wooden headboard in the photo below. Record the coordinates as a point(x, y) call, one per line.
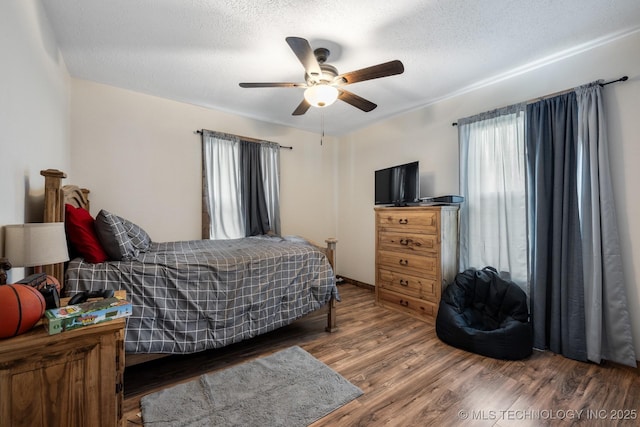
point(56, 196)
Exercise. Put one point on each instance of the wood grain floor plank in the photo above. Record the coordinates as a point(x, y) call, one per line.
point(410, 378)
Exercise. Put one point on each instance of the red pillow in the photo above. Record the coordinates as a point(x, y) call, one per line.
point(82, 235)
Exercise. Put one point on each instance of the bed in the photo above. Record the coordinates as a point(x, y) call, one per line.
point(191, 296)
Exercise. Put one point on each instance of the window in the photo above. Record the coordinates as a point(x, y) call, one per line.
point(240, 187)
point(493, 219)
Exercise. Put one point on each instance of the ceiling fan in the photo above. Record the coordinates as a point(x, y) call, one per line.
point(323, 84)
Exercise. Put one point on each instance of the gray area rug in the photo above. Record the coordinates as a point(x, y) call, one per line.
point(288, 388)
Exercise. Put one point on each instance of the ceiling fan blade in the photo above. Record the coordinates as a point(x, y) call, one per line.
point(356, 101)
point(302, 108)
point(273, 85)
point(386, 69)
point(305, 55)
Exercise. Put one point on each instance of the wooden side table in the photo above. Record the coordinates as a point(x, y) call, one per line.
point(74, 378)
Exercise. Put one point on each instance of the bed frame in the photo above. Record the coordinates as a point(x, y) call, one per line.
point(57, 195)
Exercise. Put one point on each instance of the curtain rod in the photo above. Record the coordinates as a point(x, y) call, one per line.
point(244, 138)
point(621, 79)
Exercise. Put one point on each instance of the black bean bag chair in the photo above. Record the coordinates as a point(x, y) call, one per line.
point(484, 314)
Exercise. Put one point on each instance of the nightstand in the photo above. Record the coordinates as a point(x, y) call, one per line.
point(69, 379)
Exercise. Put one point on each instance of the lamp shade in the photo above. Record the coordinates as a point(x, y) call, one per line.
point(321, 95)
point(37, 244)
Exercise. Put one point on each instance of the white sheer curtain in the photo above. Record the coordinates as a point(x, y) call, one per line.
point(270, 160)
point(221, 181)
point(493, 218)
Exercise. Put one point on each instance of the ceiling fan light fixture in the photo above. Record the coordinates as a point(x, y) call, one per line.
point(322, 80)
point(321, 95)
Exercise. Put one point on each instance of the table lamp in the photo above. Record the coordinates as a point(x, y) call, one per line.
point(35, 244)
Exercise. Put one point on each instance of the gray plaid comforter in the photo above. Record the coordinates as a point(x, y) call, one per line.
point(195, 295)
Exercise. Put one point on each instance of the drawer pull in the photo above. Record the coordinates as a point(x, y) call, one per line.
point(404, 303)
point(405, 242)
point(404, 282)
point(403, 221)
point(404, 262)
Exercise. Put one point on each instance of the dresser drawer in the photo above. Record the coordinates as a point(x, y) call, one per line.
point(408, 242)
point(419, 265)
point(421, 309)
point(413, 286)
point(407, 220)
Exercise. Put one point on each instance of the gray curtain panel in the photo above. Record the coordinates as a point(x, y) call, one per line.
point(557, 286)
point(256, 214)
point(270, 157)
point(608, 324)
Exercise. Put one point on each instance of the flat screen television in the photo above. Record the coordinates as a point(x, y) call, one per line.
point(398, 185)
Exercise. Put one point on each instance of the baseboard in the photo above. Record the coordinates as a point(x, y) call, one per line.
point(357, 283)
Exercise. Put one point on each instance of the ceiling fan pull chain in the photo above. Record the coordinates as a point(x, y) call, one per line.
point(321, 126)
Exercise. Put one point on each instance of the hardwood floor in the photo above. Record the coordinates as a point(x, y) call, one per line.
point(410, 378)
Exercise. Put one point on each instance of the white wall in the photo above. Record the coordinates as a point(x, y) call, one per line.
point(427, 135)
point(34, 112)
point(141, 160)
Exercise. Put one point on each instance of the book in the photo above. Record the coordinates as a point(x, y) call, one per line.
point(75, 316)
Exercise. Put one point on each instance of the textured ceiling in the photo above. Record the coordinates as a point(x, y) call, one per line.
point(197, 51)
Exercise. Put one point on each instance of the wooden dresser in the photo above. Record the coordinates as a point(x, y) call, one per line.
point(416, 256)
point(73, 378)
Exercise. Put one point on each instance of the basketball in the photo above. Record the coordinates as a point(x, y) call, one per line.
point(21, 307)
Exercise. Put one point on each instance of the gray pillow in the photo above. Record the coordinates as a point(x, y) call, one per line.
point(139, 238)
point(113, 237)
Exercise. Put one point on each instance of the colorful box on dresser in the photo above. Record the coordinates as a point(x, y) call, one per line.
point(75, 316)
